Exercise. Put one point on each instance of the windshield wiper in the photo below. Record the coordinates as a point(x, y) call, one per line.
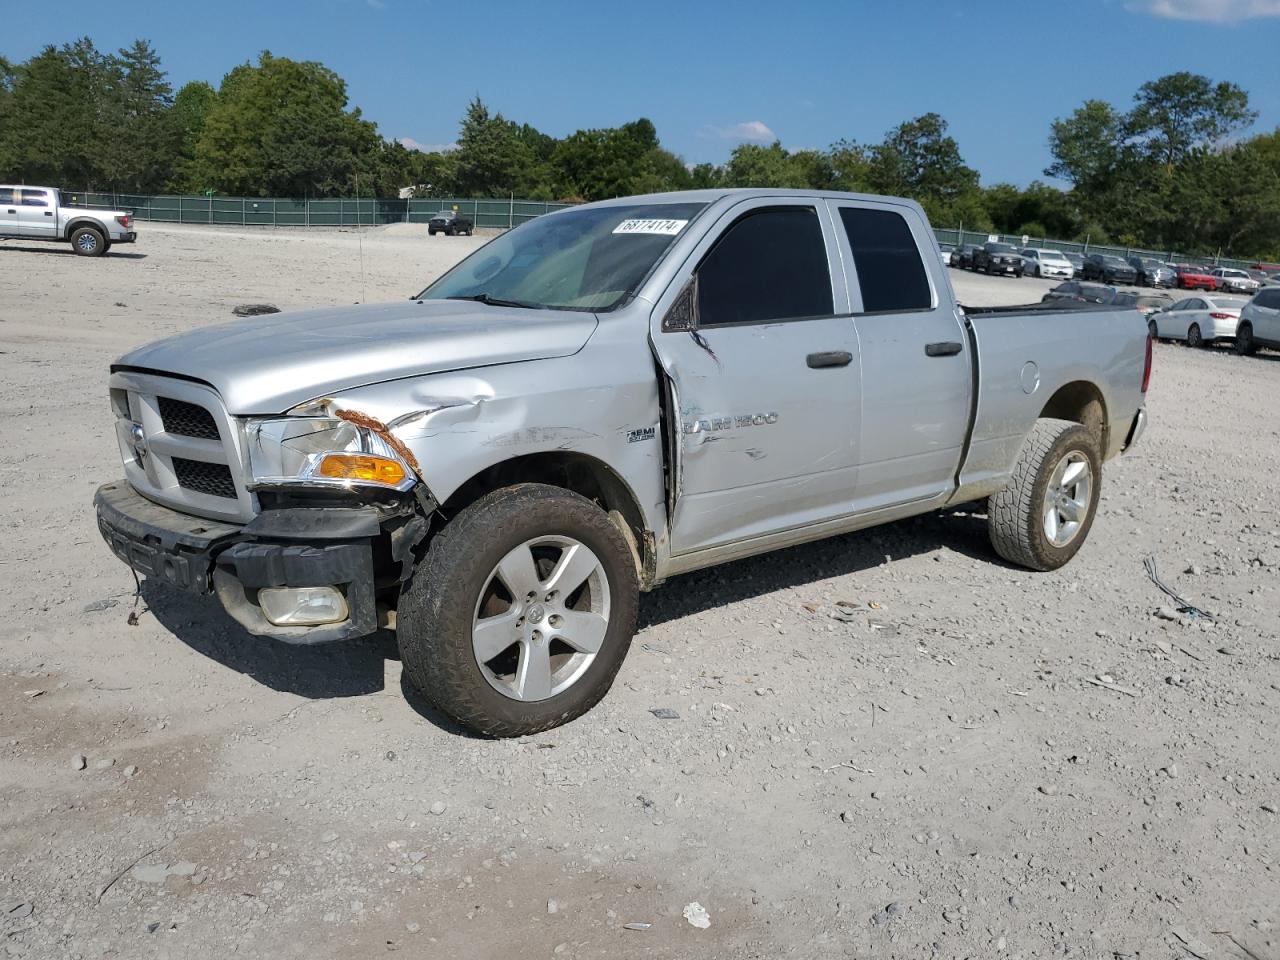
point(498, 301)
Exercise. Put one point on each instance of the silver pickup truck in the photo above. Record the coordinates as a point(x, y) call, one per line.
point(38, 213)
point(590, 404)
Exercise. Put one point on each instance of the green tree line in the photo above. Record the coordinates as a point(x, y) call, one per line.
point(1173, 171)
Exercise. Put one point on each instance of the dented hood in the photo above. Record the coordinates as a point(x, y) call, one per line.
point(266, 365)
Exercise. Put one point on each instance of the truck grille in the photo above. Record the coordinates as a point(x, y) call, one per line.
point(213, 479)
point(180, 447)
point(187, 419)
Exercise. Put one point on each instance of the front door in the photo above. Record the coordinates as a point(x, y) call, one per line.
point(764, 387)
point(8, 211)
point(917, 370)
point(36, 214)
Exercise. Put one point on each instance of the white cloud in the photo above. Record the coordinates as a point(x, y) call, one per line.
point(752, 130)
point(1209, 11)
point(413, 144)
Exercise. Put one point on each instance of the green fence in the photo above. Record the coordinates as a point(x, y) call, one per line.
point(499, 214)
point(336, 212)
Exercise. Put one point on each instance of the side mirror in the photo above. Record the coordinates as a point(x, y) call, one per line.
point(683, 314)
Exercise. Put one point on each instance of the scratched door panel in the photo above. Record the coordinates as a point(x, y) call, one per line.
point(768, 410)
point(766, 442)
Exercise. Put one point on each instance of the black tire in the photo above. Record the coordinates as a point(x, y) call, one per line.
point(430, 232)
point(1016, 515)
point(1245, 345)
point(1194, 338)
point(1153, 330)
point(88, 242)
point(437, 609)
point(451, 232)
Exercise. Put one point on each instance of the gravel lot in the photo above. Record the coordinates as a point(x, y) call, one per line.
point(935, 774)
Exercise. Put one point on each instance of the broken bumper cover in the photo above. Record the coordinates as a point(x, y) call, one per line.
point(1136, 429)
point(303, 547)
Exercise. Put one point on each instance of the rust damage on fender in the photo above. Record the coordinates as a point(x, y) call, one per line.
point(382, 430)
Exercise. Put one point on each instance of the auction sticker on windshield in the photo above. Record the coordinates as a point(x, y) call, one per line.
point(665, 228)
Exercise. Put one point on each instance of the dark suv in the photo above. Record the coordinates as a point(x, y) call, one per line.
point(1108, 269)
point(998, 258)
point(1152, 273)
point(450, 222)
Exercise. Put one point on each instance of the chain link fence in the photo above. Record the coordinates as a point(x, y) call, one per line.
point(491, 213)
point(958, 237)
point(335, 212)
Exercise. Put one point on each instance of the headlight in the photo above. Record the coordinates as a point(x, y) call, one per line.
point(323, 451)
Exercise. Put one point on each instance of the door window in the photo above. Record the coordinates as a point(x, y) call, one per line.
point(35, 198)
point(891, 273)
point(6, 195)
point(770, 265)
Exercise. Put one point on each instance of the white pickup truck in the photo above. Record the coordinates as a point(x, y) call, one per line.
point(38, 213)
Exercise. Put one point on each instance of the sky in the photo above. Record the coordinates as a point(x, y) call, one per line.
point(710, 74)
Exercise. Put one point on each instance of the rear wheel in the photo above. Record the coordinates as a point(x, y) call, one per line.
point(1194, 337)
point(1245, 345)
point(1153, 330)
point(88, 242)
point(521, 614)
point(1041, 518)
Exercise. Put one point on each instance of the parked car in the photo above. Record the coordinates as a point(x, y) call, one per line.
point(431, 465)
point(39, 213)
point(1082, 292)
point(450, 223)
point(1108, 269)
point(1193, 277)
point(1149, 272)
point(1145, 303)
point(1077, 262)
point(1234, 281)
point(945, 251)
point(963, 257)
point(1259, 324)
point(1047, 264)
point(1198, 320)
point(997, 258)
point(1264, 279)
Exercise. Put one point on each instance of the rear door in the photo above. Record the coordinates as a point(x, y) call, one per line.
point(1180, 317)
point(36, 213)
point(762, 363)
point(917, 370)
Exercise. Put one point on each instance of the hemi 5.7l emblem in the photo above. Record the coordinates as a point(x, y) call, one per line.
point(710, 424)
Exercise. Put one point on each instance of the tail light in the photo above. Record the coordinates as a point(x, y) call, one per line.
point(1222, 316)
point(123, 221)
point(1146, 368)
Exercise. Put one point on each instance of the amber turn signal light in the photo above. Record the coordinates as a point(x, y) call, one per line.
point(362, 467)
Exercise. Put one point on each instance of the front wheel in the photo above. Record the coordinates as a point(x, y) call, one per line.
point(521, 613)
point(1245, 345)
point(1194, 337)
point(1041, 518)
point(1153, 330)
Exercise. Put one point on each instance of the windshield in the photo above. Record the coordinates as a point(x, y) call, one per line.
point(1053, 256)
point(1000, 248)
point(591, 259)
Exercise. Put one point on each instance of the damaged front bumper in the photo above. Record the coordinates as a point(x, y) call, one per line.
point(356, 549)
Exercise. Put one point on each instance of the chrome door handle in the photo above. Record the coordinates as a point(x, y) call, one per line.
point(947, 348)
point(829, 358)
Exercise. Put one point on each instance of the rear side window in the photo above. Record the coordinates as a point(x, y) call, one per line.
point(890, 271)
point(769, 265)
point(1270, 299)
point(6, 195)
point(35, 198)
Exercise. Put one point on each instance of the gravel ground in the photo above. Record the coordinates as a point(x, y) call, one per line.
point(888, 744)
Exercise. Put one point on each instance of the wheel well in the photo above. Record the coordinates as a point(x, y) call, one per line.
point(585, 476)
point(1080, 402)
point(75, 225)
